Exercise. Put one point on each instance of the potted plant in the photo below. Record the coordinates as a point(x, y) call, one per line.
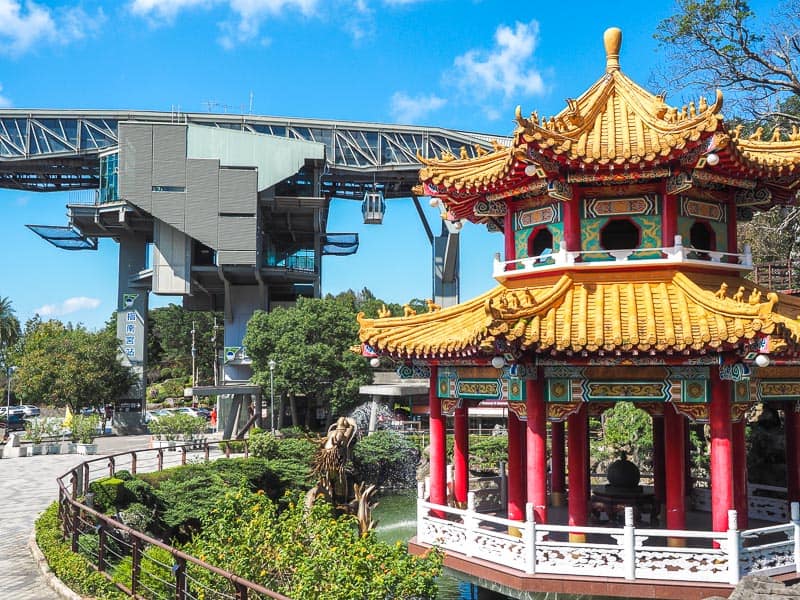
point(158, 430)
point(35, 430)
point(84, 427)
point(53, 431)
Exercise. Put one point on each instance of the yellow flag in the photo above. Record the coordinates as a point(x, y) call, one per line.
point(68, 419)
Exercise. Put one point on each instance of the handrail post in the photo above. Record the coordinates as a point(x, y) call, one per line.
point(795, 512)
point(75, 533)
point(470, 525)
point(733, 548)
point(529, 537)
point(180, 578)
point(111, 466)
point(136, 560)
point(183, 455)
point(241, 591)
point(134, 457)
point(101, 550)
point(160, 453)
point(629, 544)
point(207, 450)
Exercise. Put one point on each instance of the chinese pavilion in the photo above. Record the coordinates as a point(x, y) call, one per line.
point(622, 280)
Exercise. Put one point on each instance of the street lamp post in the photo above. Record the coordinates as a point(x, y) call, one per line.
point(9, 372)
point(271, 364)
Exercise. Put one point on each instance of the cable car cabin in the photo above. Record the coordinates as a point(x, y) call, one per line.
point(373, 208)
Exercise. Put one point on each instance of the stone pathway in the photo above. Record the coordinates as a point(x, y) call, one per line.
point(27, 487)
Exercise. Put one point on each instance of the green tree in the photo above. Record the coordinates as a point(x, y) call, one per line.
point(67, 365)
point(9, 328)
point(722, 44)
point(169, 343)
point(311, 345)
point(629, 429)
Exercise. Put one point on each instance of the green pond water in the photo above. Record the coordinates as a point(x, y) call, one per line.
point(397, 520)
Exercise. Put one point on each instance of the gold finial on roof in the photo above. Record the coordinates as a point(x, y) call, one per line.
point(612, 40)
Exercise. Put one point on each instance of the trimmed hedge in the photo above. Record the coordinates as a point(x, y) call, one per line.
point(72, 569)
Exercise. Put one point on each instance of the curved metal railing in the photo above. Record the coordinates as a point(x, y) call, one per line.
point(115, 540)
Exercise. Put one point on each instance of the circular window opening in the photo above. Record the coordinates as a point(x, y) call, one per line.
point(619, 234)
point(540, 242)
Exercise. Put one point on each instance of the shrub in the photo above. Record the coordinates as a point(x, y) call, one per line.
point(263, 444)
point(309, 553)
point(386, 459)
point(486, 451)
point(72, 569)
point(155, 577)
point(109, 493)
point(138, 517)
point(140, 491)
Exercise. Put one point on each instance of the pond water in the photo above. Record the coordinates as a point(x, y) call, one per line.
point(397, 520)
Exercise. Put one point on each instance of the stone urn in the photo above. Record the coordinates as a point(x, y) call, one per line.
point(623, 477)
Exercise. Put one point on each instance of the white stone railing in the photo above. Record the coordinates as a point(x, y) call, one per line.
point(721, 557)
point(677, 254)
point(759, 506)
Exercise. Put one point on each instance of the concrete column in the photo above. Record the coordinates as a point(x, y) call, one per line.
point(557, 471)
point(132, 306)
point(721, 452)
point(461, 455)
point(578, 463)
point(674, 424)
point(516, 488)
point(536, 462)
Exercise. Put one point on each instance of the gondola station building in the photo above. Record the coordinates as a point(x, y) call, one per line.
point(621, 280)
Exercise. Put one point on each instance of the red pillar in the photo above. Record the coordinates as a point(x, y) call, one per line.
point(508, 226)
point(669, 222)
point(557, 479)
point(674, 424)
point(572, 224)
point(516, 488)
point(658, 459)
point(461, 455)
point(438, 473)
point(537, 449)
point(791, 427)
point(578, 466)
point(721, 452)
point(740, 473)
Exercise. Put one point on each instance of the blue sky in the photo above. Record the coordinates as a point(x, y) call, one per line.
point(463, 64)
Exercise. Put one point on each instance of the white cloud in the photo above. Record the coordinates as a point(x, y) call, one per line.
point(68, 306)
point(506, 68)
point(166, 9)
point(5, 101)
point(406, 109)
point(22, 28)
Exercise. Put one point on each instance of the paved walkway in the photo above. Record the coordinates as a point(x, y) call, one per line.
point(27, 487)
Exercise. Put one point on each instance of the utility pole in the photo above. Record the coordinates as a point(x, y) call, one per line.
point(216, 353)
point(194, 366)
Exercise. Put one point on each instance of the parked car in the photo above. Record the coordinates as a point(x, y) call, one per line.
point(153, 415)
point(14, 420)
point(195, 412)
point(30, 410)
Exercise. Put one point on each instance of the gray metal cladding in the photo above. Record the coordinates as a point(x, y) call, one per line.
point(237, 233)
point(236, 257)
point(238, 191)
point(135, 164)
point(170, 207)
point(169, 156)
point(202, 200)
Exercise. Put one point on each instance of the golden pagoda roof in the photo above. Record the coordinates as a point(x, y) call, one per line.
point(621, 129)
point(575, 312)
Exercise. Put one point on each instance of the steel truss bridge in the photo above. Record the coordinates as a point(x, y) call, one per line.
point(57, 150)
